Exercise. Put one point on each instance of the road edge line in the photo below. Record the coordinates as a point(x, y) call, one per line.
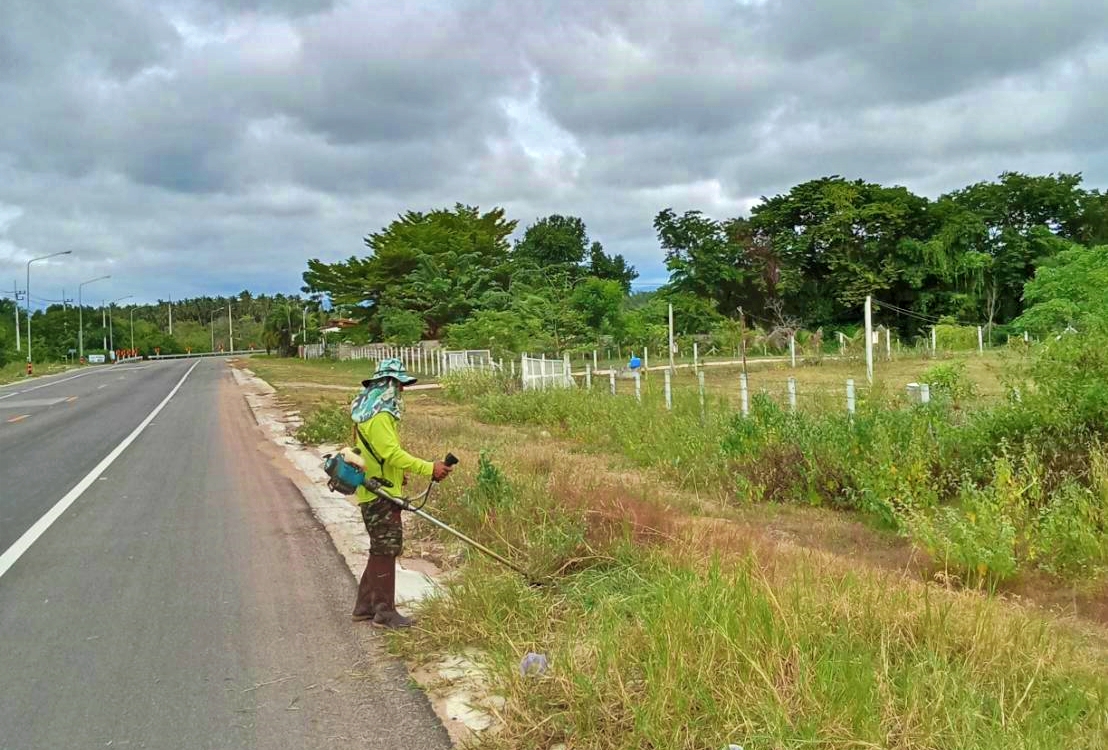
point(12, 554)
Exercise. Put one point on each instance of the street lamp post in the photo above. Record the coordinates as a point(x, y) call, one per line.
point(213, 331)
point(111, 332)
point(81, 315)
point(27, 291)
point(132, 329)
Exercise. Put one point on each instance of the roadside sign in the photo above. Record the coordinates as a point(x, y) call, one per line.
point(96, 359)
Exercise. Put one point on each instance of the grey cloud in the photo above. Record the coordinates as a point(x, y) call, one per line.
point(188, 146)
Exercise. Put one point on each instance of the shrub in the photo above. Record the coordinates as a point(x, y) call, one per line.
point(327, 424)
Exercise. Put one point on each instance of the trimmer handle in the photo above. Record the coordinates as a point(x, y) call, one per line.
point(450, 460)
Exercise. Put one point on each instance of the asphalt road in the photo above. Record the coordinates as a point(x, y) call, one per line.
point(186, 598)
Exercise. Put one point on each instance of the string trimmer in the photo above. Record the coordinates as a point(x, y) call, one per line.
point(346, 478)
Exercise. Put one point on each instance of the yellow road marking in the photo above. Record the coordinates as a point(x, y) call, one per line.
point(71, 399)
point(20, 418)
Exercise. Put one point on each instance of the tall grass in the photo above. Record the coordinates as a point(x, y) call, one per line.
point(986, 492)
point(659, 651)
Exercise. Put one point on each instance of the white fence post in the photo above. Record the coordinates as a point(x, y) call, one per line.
point(792, 349)
point(850, 395)
point(645, 359)
point(980, 340)
point(594, 358)
point(792, 394)
point(925, 393)
point(567, 372)
point(869, 339)
point(588, 377)
point(695, 357)
point(889, 344)
point(934, 343)
point(744, 394)
point(638, 387)
point(669, 391)
point(612, 381)
point(700, 385)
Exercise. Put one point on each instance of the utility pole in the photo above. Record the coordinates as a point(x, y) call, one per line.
point(230, 328)
point(17, 295)
point(171, 315)
point(213, 331)
point(104, 324)
point(28, 291)
point(81, 315)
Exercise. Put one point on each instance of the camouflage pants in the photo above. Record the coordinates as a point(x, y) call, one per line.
point(382, 521)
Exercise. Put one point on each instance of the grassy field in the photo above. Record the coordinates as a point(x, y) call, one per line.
point(17, 370)
point(677, 619)
point(818, 381)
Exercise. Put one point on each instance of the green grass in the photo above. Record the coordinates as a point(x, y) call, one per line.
point(656, 650)
point(14, 371)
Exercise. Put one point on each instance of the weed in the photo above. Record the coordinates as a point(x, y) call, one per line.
point(327, 424)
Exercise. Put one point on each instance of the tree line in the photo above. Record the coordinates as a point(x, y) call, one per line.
point(200, 324)
point(804, 259)
point(807, 258)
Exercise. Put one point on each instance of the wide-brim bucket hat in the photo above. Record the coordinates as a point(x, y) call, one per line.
point(390, 368)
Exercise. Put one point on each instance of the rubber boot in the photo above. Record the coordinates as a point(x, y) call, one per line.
point(386, 615)
point(375, 589)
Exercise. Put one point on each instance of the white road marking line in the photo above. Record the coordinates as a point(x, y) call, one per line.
point(20, 418)
point(52, 382)
point(31, 535)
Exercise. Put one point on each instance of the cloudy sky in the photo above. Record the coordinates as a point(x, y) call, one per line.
point(207, 146)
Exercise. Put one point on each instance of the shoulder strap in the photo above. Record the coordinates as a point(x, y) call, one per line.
point(361, 438)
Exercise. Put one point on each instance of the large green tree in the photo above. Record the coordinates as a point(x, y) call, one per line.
point(1069, 289)
point(439, 265)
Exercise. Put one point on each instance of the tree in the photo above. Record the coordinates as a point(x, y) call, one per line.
point(555, 243)
point(401, 327)
point(701, 259)
point(611, 268)
point(1069, 289)
point(437, 265)
point(599, 303)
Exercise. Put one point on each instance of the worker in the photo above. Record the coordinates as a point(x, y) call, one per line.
point(376, 414)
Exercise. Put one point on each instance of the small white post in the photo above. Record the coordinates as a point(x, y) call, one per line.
point(542, 372)
point(1026, 337)
point(792, 394)
point(513, 369)
point(869, 340)
point(523, 370)
point(645, 359)
point(695, 356)
point(792, 349)
point(934, 343)
point(980, 340)
point(638, 387)
point(889, 344)
point(744, 394)
point(700, 384)
point(671, 349)
point(669, 392)
point(850, 395)
point(594, 358)
point(588, 377)
point(612, 381)
point(925, 393)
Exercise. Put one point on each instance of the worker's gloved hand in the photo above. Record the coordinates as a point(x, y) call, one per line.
point(441, 471)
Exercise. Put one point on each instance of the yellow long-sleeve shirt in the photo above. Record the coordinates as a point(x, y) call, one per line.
point(380, 432)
